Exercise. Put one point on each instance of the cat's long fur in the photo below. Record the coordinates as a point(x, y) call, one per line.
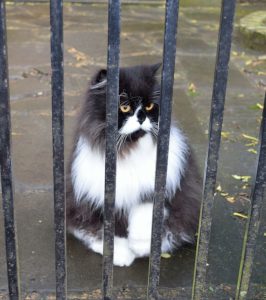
point(135, 172)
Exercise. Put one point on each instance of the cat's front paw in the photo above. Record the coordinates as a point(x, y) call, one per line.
point(140, 247)
point(123, 256)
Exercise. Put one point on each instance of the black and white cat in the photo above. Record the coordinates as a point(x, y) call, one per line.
point(136, 159)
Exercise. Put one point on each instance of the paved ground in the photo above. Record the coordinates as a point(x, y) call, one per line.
point(141, 42)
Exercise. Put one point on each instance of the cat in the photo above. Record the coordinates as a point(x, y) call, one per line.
point(139, 96)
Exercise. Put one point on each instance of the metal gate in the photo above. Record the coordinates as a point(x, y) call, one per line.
point(215, 126)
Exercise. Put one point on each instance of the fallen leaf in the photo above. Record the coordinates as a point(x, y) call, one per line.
point(251, 144)
point(252, 151)
point(236, 214)
point(253, 107)
point(259, 106)
point(81, 58)
point(245, 178)
point(224, 194)
point(15, 133)
point(192, 88)
point(230, 199)
point(78, 54)
point(264, 234)
point(225, 134)
point(165, 255)
point(244, 197)
point(236, 177)
point(249, 137)
point(248, 62)
point(219, 188)
point(242, 178)
point(262, 57)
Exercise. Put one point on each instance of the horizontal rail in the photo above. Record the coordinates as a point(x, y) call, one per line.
point(6, 164)
point(253, 224)
point(215, 127)
point(171, 18)
point(56, 20)
point(111, 134)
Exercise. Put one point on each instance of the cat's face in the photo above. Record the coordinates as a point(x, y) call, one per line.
point(139, 95)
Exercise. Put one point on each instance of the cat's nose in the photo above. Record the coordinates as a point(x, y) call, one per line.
point(141, 116)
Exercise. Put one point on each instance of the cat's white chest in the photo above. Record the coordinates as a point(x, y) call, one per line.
point(135, 173)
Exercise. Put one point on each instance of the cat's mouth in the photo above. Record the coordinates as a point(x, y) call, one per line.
point(136, 135)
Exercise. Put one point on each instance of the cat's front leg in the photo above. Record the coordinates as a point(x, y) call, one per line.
point(139, 229)
point(123, 255)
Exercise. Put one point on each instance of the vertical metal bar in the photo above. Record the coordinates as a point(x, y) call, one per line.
point(111, 133)
point(215, 127)
point(171, 18)
point(253, 224)
point(56, 21)
point(6, 164)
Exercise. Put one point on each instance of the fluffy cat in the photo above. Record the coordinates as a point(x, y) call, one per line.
point(139, 96)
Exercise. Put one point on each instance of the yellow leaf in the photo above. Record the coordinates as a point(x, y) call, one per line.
point(248, 62)
point(234, 53)
point(252, 151)
point(240, 95)
point(245, 178)
point(236, 214)
point(230, 199)
point(259, 106)
point(242, 178)
point(252, 138)
point(192, 87)
point(225, 134)
point(251, 144)
point(219, 188)
point(224, 194)
point(264, 234)
point(237, 177)
point(165, 255)
point(15, 133)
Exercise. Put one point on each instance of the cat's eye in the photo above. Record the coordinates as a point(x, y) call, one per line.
point(125, 108)
point(149, 106)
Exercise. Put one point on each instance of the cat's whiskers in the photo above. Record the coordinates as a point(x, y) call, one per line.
point(120, 142)
point(155, 129)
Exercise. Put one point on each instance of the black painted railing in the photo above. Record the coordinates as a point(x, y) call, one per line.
point(216, 120)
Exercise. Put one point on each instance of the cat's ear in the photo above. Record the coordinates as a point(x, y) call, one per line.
point(99, 80)
point(155, 68)
point(101, 76)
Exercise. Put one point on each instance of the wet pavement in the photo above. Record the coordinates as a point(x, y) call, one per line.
point(141, 42)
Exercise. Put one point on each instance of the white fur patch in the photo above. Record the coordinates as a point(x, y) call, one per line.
point(123, 255)
point(139, 229)
point(89, 240)
point(135, 172)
